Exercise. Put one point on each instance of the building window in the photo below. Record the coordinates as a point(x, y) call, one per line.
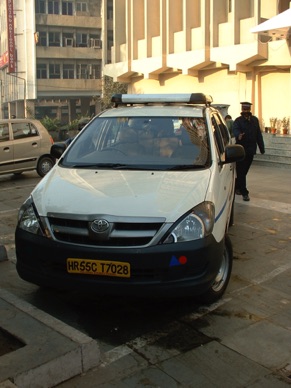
point(109, 40)
point(68, 71)
point(42, 38)
point(82, 40)
point(110, 13)
point(67, 8)
point(53, 7)
point(54, 71)
point(94, 71)
point(68, 39)
point(54, 39)
point(95, 42)
point(41, 71)
point(40, 6)
point(82, 71)
point(81, 7)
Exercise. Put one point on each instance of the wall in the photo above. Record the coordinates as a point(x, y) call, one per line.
point(203, 46)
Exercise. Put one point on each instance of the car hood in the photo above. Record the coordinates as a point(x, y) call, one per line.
point(167, 194)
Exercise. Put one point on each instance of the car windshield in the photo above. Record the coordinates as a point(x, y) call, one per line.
point(141, 143)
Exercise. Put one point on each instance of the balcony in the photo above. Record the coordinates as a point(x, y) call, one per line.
point(69, 21)
point(68, 52)
point(74, 88)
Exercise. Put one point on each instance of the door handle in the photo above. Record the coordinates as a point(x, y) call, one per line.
point(6, 149)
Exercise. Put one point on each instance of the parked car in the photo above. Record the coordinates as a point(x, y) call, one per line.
point(25, 145)
point(139, 204)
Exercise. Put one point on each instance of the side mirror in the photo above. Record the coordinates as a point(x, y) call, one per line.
point(57, 150)
point(234, 153)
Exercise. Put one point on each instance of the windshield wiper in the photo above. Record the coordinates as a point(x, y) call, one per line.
point(114, 166)
point(100, 165)
point(186, 167)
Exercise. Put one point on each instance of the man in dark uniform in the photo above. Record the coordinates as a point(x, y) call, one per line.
point(247, 132)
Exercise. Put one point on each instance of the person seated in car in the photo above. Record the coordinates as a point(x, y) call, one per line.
point(193, 141)
point(127, 140)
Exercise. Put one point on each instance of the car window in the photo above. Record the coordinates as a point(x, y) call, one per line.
point(4, 132)
point(23, 130)
point(223, 130)
point(153, 142)
point(217, 135)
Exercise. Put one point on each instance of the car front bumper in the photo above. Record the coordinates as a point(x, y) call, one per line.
point(181, 269)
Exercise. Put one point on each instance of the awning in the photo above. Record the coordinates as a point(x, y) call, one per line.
point(277, 27)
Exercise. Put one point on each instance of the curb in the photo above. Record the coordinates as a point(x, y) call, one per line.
point(53, 351)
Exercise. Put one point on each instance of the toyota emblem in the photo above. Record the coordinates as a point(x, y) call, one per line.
point(99, 226)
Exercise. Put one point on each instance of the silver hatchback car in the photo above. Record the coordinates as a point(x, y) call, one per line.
point(25, 145)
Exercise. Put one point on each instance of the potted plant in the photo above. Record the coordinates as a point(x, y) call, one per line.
point(285, 125)
point(273, 122)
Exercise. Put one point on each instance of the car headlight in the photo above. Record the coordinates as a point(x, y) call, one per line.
point(195, 225)
point(28, 219)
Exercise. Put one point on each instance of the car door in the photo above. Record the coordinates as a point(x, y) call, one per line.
point(6, 149)
point(226, 179)
point(27, 145)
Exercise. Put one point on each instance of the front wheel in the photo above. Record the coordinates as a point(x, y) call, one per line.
point(222, 278)
point(44, 165)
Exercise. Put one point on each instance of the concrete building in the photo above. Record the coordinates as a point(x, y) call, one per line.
point(206, 46)
point(52, 53)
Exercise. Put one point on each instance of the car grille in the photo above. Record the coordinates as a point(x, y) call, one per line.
point(121, 233)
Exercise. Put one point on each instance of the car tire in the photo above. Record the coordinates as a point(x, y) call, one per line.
point(44, 165)
point(222, 278)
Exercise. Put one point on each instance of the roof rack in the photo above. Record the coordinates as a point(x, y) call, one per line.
point(187, 98)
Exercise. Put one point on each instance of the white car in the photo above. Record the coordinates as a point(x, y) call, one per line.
point(139, 204)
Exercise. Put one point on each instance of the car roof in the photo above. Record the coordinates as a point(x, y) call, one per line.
point(159, 105)
point(170, 98)
point(155, 111)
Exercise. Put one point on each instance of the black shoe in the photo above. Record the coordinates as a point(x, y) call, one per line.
point(246, 197)
point(237, 191)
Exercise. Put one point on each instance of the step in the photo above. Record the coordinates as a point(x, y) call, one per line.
point(277, 151)
point(269, 139)
point(272, 163)
point(275, 156)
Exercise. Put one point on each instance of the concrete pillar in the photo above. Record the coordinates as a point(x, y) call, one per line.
point(72, 110)
point(12, 109)
point(97, 106)
point(85, 106)
point(30, 109)
point(19, 110)
point(59, 112)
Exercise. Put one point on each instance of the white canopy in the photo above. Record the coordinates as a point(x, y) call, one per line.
point(278, 26)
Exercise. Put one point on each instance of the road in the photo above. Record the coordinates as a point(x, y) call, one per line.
point(250, 326)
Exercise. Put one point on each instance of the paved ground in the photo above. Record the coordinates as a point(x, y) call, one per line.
point(245, 339)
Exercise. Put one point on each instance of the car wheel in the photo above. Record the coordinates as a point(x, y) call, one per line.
point(222, 278)
point(44, 165)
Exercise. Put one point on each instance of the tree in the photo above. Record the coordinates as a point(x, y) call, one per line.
point(109, 88)
point(51, 124)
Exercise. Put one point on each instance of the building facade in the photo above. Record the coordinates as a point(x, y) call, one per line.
point(60, 49)
point(168, 46)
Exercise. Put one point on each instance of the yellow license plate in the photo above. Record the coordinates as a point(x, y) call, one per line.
point(98, 267)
